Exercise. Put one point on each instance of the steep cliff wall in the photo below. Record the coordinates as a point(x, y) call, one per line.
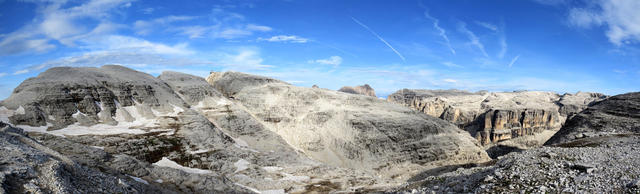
point(495, 117)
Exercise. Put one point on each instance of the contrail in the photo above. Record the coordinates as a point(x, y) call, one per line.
point(381, 39)
point(514, 60)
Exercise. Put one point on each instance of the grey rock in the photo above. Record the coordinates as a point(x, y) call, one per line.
point(352, 131)
point(493, 117)
point(619, 114)
point(362, 90)
point(57, 94)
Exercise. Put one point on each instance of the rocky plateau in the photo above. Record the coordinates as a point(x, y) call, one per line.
point(116, 130)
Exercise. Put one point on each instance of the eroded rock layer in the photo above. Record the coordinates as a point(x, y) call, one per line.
point(348, 130)
point(499, 116)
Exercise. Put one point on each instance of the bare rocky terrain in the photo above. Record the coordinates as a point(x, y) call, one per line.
point(521, 119)
point(595, 152)
point(116, 130)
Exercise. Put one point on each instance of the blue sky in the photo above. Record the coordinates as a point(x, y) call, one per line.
point(496, 45)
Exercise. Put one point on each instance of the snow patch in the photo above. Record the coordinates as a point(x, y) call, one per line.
point(165, 162)
point(243, 145)
point(41, 129)
point(272, 169)
point(241, 142)
point(20, 111)
point(98, 147)
point(5, 113)
point(138, 179)
point(199, 151)
point(246, 187)
point(78, 113)
point(159, 180)
point(222, 102)
point(241, 165)
point(277, 191)
point(290, 177)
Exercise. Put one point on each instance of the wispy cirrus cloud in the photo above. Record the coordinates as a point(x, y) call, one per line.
point(500, 32)
point(285, 38)
point(621, 18)
point(379, 37)
point(442, 32)
point(489, 26)
point(474, 40)
point(53, 23)
point(144, 27)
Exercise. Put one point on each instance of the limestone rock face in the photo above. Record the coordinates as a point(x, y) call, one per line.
point(30, 167)
point(63, 95)
point(351, 131)
point(495, 117)
point(362, 90)
point(618, 114)
point(571, 104)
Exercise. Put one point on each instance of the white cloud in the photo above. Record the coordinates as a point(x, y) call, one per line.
point(148, 10)
point(475, 41)
point(489, 26)
point(17, 43)
point(143, 27)
point(244, 59)
point(378, 36)
point(621, 17)
point(21, 72)
point(130, 44)
point(450, 80)
point(52, 22)
point(285, 38)
point(451, 64)
point(3, 74)
point(514, 60)
point(443, 33)
point(259, 28)
point(333, 60)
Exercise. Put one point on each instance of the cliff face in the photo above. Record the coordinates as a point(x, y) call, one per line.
point(618, 114)
point(362, 90)
point(495, 117)
point(63, 96)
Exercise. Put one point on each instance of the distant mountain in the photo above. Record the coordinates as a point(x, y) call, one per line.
point(362, 90)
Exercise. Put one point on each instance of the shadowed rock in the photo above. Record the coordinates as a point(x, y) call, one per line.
point(362, 90)
point(529, 116)
point(616, 115)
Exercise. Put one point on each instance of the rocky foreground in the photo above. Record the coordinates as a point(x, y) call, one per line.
point(116, 130)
